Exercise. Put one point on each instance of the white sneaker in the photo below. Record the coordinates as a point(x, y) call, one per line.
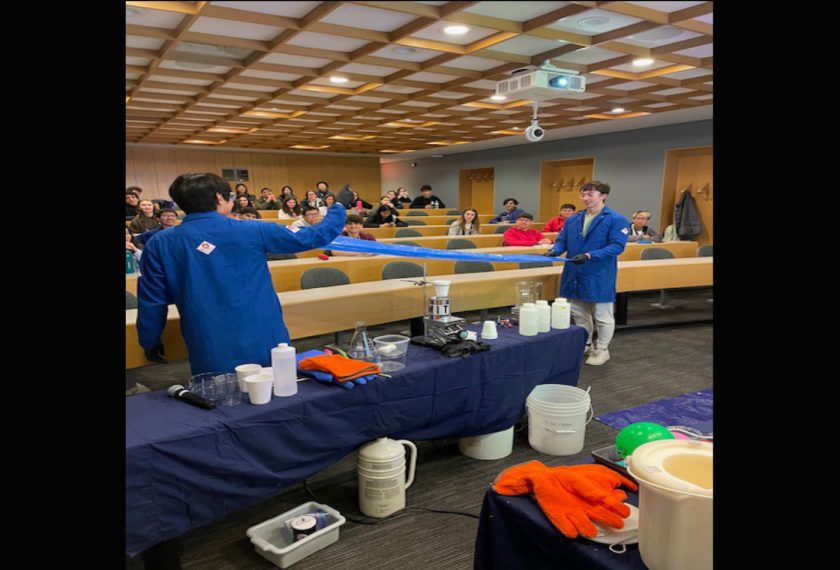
point(598, 357)
point(588, 349)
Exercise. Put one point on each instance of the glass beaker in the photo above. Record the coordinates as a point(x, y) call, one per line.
point(526, 292)
point(361, 347)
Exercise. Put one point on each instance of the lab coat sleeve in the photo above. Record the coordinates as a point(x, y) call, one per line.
point(559, 246)
point(153, 298)
point(280, 239)
point(616, 240)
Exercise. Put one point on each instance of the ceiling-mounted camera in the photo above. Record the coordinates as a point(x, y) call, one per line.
point(535, 132)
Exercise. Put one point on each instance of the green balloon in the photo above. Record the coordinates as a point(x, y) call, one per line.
point(638, 433)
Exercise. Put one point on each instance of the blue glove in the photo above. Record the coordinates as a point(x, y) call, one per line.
point(326, 377)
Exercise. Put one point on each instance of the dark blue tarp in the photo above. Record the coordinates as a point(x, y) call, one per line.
point(694, 410)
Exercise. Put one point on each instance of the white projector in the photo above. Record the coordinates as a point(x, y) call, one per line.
point(541, 85)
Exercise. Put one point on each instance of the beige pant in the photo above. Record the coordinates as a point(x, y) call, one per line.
point(584, 312)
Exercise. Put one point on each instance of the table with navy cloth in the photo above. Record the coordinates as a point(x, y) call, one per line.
point(187, 467)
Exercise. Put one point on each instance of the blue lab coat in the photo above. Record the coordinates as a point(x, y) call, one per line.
point(230, 313)
point(594, 280)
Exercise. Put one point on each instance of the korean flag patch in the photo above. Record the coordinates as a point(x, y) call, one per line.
point(206, 247)
point(625, 231)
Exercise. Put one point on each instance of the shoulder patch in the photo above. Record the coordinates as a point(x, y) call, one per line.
point(293, 230)
point(206, 247)
point(625, 231)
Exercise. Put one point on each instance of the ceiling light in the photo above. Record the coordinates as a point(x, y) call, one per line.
point(593, 21)
point(455, 30)
point(657, 34)
point(642, 62)
point(618, 110)
point(337, 79)
point(498, 98)
point(403, 50)
point(193, 65)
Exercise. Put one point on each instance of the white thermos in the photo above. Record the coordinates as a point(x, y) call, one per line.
point(284, 368)
point(382, 476)
point(528, 319)
point(560, 314)
point(543, 316)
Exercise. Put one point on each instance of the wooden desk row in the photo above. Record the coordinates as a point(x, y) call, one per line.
point(285, 275)
point(430, 220)
point(321, 311)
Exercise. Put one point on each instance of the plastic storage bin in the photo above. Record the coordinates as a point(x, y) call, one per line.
point(273, 539)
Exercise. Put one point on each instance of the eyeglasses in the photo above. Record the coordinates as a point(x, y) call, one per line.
point(590, 194)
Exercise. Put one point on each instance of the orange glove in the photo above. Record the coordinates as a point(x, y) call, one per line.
point(571, 499)
point(341, 368)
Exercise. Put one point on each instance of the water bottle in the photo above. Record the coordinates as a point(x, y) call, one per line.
point(361, 347)
point(359, 205)
point(129, 261)
point(284, 367)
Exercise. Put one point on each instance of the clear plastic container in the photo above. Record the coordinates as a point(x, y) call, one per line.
point(392, 350)
point(220, 388)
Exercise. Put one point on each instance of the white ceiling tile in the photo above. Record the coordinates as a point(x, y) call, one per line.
point(674, 91)
point(396, 89)
point(474, 63)
point(661, 36)
point(462, 108)
point(630, 68)
point(367, 18)
point(187, 66)
point(288, 9)
point(143, 61)
point(234, 97)
point(317, 94)
point(482, 84)
point(326, 41)
point(690, 73)
point(417, 56)
point(295, 60)
point(706, 50)
point(581, 108)
point(631, 85)
point(666, 6)
point(585, 56)
point(584, 22)
point(659, 105)
point(708, 18)
point(173, 91)
point(365, 99)
point(377, 70)
point(152, 18)
point(451, 95)
point(270, 75)
point(326, 81)
point(234, 29)
point(249, 87)
point(182, 80)
point(435, 32)
point(525, 45)
point(144, 42)
point(703, 97)
point(132, 76)
point(430, 77)
point(417, 104)
point(515, 11)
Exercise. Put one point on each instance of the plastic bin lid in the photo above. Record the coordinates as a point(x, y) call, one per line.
point(675, 465)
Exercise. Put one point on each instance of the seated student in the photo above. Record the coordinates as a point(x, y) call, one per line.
point(311, 199)
point(522, 234)
point(556, 223)
point(402, 195)
point(510, 214)
point(466, 225)
point(131, 202)
point(249, 214)
point(309, 217)
point(242, 190)
point(132, 245)
point(285, 192)
point(426, 199)
point(145, 219)
point(289, 210)
point(328, 200)
point(386, 201)
point(384, 217)
point(392, 196)
point(241, 201)
point(168, 219)
point(353, 228)
point(357, 200)
point(321, 189)
point(345, 197)
point(639, 230)
point(267, 200)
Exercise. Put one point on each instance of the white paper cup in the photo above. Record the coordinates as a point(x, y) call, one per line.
point(245, 370)
point(488, 330)
point(259, 388)
point(442, 288)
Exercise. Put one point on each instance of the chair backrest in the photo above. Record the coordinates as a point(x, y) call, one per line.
point(501, 229)
point(401, 269)
point(451, 221)
point(453, 212)
point(473, 266)
point(279, 256)
point(407, 232)
point(130, 301)
point(705, 250)
point(532, 264)
point(323, 277)
point(459, 243)
point(415, 222)
point(408, 243)
point(418, 213)
point(656, 253)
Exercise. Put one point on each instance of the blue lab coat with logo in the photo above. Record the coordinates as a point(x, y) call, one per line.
point(594, 280)
point(230, 313)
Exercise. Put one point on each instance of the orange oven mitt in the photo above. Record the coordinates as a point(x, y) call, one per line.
point(342, 369)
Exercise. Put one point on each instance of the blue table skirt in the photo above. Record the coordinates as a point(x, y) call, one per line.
point(187, 467)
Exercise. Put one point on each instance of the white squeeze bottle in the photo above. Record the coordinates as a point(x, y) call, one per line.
point(284, 366)
point(560, 314)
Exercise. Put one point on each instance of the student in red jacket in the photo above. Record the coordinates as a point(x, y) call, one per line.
point(556, 223)
point(522, 234)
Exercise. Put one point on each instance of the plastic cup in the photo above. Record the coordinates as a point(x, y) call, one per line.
point(220, 388)
point(488, 330)
point(245, 370)
point(392, 349)
point(260, 387)
point(442, 288)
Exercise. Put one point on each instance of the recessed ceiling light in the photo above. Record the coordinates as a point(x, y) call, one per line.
point(337, 79)
point(193, 65)
point(403, 50)
point(498, 98)
point(618, 110)
point(593, 21)
point(642, 62)
point(455, 30)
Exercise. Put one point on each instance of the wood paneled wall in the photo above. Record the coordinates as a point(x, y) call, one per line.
point(153, 169)
point(689, 170)
point(560, 182)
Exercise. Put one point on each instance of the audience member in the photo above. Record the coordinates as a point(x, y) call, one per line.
point(289, 210)
point(286, 192)
point(168, 219)
point(242, 190)
point(311, 199)
point(310, 215)
point(510, 214)
point(522, 234)
point(145, 219)
point(249, 214)
point(131, 201)
point(241, 201)
point(402, 195)
point(321, 188)
point(466, 225)
point(345, 197)
point(358, 200)
point(392, 196)
point(639, 230)
point(383, 216)
point(353, 228)
point(556, 223)
point(426, 199)
point(132, 245)
point(328, 200)
point(136, 189)
point(267, 200)
point(386, 201)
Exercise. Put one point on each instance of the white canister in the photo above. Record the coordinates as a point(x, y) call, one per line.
point(543, 316)
point(284, 368)
point(528, 319)
point(561, 314)
point(381, 470)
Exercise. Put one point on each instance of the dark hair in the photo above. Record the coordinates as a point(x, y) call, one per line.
point(322, 182)
point(291, 190)
point(425, 187)
point(308, 208)
point(327, 195)
point(133, 190)
point(196, 192)
point(506, 200)
point(383, 208)
point(525, 215)
point(353, 219)
point(290, 211)
point(163, 211)
point(132, 194)
point(564, 206)
point(236, 188)
point(264, 189)
point(596, 185)
point(250, 211)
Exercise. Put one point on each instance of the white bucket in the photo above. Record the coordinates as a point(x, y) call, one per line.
point(675, 503)
point(489, 446)
point(557, 418)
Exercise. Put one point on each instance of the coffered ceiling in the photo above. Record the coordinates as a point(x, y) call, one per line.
point(262, 75)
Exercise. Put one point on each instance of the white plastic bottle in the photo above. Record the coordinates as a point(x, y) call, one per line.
point(528, 319)
point(543, 316)
point(560, 314)
point(284, 367)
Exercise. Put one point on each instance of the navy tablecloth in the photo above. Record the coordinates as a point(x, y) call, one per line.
point(187, 467)
point(514, 534)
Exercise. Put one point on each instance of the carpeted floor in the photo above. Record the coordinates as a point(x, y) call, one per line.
point(646, 364)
